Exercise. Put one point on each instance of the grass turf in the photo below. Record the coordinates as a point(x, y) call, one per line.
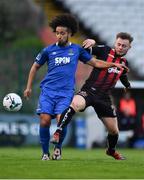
point(21, 163)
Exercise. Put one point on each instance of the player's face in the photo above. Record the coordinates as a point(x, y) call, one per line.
point(122, 46)
point(62, 35)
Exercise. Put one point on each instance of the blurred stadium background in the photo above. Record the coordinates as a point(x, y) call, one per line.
point(24, 32)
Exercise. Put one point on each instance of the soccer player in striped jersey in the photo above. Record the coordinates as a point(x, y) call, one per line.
point(96, 91)
point(57, 87)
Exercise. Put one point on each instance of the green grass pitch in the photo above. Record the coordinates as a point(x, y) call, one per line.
point(25, 163)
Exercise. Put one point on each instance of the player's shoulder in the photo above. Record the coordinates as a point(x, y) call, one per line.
point(51, 46)
point(103, 46)
point(79, 47)
point(75, 45)
point(101, 49)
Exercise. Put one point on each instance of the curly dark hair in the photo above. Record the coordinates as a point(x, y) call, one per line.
point(65, 20)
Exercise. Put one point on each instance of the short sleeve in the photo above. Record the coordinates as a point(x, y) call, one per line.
point(84, 55)
point(42, 57)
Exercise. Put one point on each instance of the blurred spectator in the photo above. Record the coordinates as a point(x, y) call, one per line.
point(127, 110)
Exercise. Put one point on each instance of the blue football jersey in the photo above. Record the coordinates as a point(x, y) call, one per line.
point(62, 64)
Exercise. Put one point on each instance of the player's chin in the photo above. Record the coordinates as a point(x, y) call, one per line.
point(119, 53)
point(61, 43)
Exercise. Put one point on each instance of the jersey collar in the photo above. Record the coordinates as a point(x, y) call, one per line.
point(69, 44)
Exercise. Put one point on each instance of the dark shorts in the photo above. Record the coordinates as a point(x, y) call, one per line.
point(102, 104)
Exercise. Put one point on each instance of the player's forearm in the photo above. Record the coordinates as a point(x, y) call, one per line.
point(31, 76)
point(30, 79)
point(103, 64)
point(99, 63)
point(125, 81)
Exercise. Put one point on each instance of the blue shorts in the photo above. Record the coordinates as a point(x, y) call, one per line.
point(54, 102)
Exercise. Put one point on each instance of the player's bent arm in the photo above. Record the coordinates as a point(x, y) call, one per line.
point(31, 77)
point(124, 80)
point(102, 64)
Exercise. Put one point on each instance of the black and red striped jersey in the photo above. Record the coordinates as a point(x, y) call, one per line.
point(103, 80)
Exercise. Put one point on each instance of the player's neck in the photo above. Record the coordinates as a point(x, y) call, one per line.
point(63, 45)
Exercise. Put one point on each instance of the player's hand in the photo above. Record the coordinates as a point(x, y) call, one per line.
point(27, 93)
point(121, 66)
point(88, 43)
point(127, 89)
point(126, 69)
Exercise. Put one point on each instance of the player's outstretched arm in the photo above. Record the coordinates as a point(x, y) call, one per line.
point(102, 64)
point(32, 73)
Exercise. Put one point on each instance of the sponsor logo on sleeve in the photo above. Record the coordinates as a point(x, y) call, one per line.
point(38, 57)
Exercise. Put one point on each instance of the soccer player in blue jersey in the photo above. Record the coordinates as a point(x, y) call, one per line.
point(57, 87)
